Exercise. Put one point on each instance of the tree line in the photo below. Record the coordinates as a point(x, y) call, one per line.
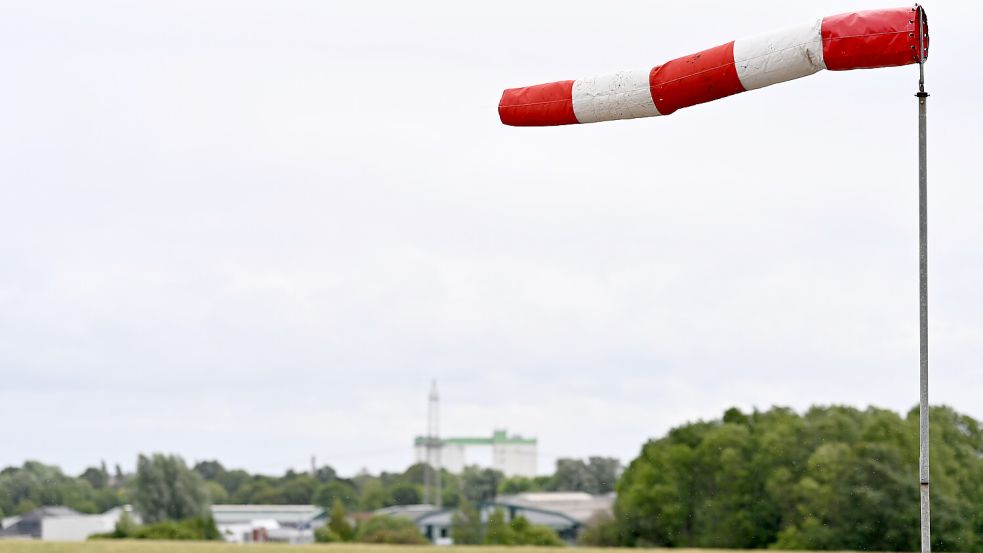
point(833, 478)
point(164, 487)
point(367, 492)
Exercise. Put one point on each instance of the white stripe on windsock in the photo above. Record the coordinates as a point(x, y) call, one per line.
point(779, 56)
point(621, 95)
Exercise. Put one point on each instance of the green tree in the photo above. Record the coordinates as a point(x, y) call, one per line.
point(196, 528)
point(451, 491)
point(325, 535)
point(414, 474)
point(328, 493)
point(833, 478)
point(299, 489)
point(466, 524)
point(388, 529)
point(210, 470)
point(478, 484)
point(216, 493)
point(517, 485)
point(374, 496)
point(32, 485)
point(405, 494)
point(230, 480)
point(572, 475)
point(98, 478)
point(325, 474)
point(497, 531)
point(125, 526)
point(525, 533)
point(166, 489)
point(601, 530)
point(338, 522)
point(25, 506)
point(597, 476)
point(604, 473)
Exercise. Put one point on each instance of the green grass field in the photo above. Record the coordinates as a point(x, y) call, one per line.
point(144, 546)
point(141, 546)
point(126, 546)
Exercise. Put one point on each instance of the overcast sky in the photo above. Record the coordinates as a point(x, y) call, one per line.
point(255, 231)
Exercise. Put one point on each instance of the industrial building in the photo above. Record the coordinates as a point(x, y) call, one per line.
point(512, 455)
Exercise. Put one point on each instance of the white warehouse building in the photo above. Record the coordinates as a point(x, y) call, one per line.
point(512, 455)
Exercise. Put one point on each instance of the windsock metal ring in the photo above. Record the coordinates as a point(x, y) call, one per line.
point(857, 40)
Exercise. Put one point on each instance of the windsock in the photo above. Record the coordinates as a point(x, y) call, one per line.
point(857, 40)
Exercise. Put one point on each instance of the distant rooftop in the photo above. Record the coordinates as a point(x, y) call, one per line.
point(411, 512)
point(286, 515)
point(498, 437)
point(265, 508)
point(579, 506)
point(51, 511)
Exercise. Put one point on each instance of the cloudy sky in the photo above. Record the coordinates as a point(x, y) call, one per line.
point(255, 231)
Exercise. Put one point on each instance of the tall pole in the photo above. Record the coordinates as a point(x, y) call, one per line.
point(923, 412)
point(432, 485)
point(438, 449)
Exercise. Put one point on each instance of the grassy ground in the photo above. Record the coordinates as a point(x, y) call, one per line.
point(142, 546)
point(125, 546)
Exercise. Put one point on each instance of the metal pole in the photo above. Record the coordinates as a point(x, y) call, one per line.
point(438, 448)
point(923, 410)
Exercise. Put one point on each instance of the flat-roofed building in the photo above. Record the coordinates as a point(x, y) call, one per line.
point(283, 523)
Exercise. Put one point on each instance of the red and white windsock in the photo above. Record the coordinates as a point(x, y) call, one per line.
point(858, 40)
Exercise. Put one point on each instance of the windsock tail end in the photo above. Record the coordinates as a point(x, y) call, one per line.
point(538, 106)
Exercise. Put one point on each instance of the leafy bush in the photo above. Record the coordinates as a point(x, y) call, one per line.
point(602, 530)
point(466, 524)
point(526, 533)
point(337, 529)
point(324, 534)
point(497, 531)
point(517, 532)
point(198, 528)
point(387, 529)
point(338, 523)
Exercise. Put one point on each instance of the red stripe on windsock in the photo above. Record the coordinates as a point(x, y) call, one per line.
point(702, 77)
point(539, 105)
point(869, 39)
